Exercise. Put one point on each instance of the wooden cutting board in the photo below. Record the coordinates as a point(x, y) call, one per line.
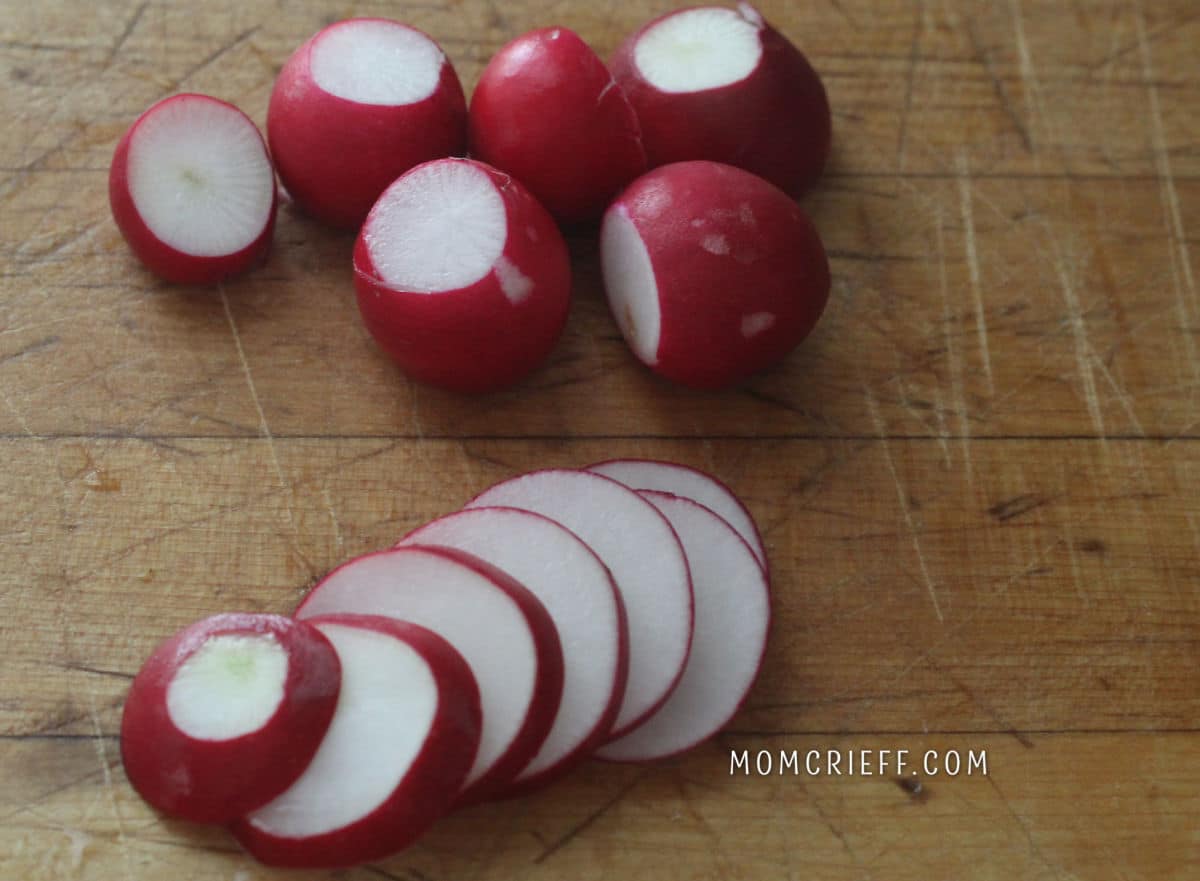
point(977, 480)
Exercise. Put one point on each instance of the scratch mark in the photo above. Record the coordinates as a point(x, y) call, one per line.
point(589, 820)
point(214, 56)
point(968, 219)
point(289, 491)
point(1028, 74)
point(998, 89)
point(337, 526)
point(838, 834)
point(124, 35)
point(1083, 346)
point(47, 343)
point(1026, 831)
point(109, 788)
point(953, 357)
point(1012, 508)
point(1181, 263)
point(903, 497)
point(913, 55)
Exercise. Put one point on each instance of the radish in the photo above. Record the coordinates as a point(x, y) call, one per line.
point(646, 561)
point(462, 276)
point(404, 734)
point(360, 103)
point(579, 594)
point(690, 483)
point(227, 713)
point(719, 84)
point(711, 273)
point(547, 111)
point(192, 190)
point(733, 613)
point(499, 627)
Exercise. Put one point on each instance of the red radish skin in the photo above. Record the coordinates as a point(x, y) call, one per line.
point(711, 273)
point(397, 102)
point(647, 563)
point(581, 598)
point(499, 627)
point(199, 170)
point(373, 787)
point(765, 110)
point(690, 483)
point(733, 615)
point(548, 112)
point(189, 773)
point(462, 277)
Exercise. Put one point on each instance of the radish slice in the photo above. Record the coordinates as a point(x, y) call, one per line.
point(404, 734)
point(359, 104)
point(645, 559)
point(690, 483)
point(733, 613)
point(578, 592)
point(227, 713)
point(193, 191)
point(501, 629)
point(462, 277)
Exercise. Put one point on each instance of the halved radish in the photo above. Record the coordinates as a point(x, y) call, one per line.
point(547, 111)
point(462, 276)
point(579, 594)
point(498, 626)
point(641, 551)
point(227, 713)
point(192, 190)
point(711, 273)
point(722, 84)
point(733, 612)
point(356, 106)
point(404, 734)
point(691, 483)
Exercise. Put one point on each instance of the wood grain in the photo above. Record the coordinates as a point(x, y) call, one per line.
point(976, 481)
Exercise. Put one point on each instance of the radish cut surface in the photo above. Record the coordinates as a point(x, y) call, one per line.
point(441, 227)
point(199, 176)
point(376, 61)
point(629, 280)
point(401, 740)
point(640, 549)
point(502, 631)
point(697, 49)
point(227, 713)
point(579, 594)
point(732, 617)
point(690, 483)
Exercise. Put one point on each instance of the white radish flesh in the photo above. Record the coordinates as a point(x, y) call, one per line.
point(732, 619)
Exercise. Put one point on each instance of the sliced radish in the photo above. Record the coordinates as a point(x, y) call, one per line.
point(719, 84)
point(547, 111)
point(498, 626)
point(578, 592)
point(733, 613)
point(227, 713)
point(192, 190)
point(462, 276)
point(641, 551)
point(404, 734)
point(360, 103)
point(680, 480)
point(711, 273)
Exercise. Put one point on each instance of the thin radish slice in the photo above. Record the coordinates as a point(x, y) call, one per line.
point(193, 191)
point(691, 483)
point(227, 713)
point(733, 613)
point(578, 592)
point(501, 629)
point(359, 104)
point(462, 277)
point(640, 549)
point(401, 742)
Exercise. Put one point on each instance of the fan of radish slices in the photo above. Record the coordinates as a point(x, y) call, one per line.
point(619, 611)
point(690, 147)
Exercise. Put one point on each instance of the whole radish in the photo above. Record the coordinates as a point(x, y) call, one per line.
point(547, 111)
point(711, 273)
point(192, 190)
point(356, 106)
point(722, 84)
